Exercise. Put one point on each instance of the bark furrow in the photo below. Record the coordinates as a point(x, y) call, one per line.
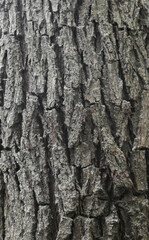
point(74, 119)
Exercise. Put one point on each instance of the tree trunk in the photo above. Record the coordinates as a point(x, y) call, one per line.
point(74, 96)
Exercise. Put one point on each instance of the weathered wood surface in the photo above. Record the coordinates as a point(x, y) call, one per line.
point(74, 119)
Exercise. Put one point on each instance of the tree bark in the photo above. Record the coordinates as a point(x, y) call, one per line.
point(74, 119)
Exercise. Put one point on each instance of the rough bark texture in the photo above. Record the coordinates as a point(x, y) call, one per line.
point(74, 96)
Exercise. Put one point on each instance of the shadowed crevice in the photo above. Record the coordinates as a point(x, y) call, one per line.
point(2, 206)
point(36, 207)
point(147, 168)
point(76, 11)
point(54, 218)
point(61, 120)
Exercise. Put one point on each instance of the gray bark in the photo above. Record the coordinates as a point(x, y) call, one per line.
point(74, 79)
